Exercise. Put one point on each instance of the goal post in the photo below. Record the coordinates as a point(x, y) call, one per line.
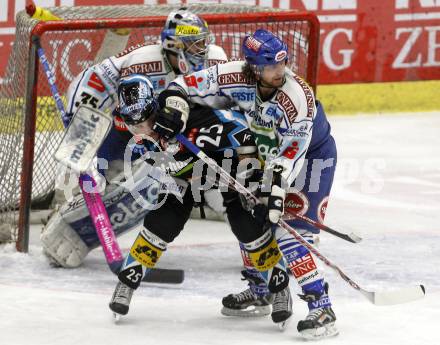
point(30, 124)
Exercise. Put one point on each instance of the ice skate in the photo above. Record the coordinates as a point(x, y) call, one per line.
point(319, 323)
point(120, 301)
point(246, 304)
point(282, 308)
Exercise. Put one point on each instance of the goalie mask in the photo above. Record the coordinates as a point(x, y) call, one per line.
point(137, 101)
point(187, 36)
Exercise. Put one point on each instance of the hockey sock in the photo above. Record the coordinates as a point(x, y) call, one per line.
point(266, 257)
point(303, 267)
point(143, 256)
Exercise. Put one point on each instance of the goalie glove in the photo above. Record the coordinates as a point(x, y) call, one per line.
point(171, 120)
point(276, 199)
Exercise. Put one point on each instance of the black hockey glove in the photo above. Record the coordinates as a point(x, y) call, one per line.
point(169, 122)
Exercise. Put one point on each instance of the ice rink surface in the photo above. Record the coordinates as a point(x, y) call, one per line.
point(387, 189)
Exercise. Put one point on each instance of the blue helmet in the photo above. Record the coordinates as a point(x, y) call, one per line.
point(264, 48)
point(137, 101)
point(186, 35)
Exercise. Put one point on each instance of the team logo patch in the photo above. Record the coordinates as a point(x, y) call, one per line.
point(296, 202)
point(303, 266)
point(144, 252)
point(291, 151)
point(253, 44)
point(280, 56)
point(96, 83)
point(192, 81)
point(322, 209)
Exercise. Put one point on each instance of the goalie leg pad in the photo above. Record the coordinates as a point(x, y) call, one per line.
point(124, 207)
point(62, 244)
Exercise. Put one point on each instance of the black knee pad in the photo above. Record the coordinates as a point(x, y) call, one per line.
point(244, 226)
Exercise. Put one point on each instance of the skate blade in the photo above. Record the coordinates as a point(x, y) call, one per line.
point(116, 318)
point(283, 325)
point(254, 312)
point(326, 331)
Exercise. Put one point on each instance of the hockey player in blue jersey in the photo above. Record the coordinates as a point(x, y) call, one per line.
point(215, 131)
point(294, 142)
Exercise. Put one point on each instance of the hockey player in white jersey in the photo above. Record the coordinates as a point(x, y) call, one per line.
point(185, 47)
point(294, 142)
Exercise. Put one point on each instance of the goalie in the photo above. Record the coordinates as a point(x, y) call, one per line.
point(185, 47)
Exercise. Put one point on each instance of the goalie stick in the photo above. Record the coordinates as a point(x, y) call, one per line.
point(94, 202)
point(377, 298)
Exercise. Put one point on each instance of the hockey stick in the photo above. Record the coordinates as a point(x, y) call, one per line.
point(94, 203)
point(377, 298)
point(352, 237)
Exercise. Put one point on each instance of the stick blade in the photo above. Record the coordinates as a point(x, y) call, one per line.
point(354, 238)
point(405, 295)
point(165, 276)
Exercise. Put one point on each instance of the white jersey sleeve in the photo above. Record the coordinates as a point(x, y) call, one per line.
point(297, 103)
point(97, 85)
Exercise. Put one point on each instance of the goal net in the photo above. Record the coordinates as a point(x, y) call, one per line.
point(30, 124)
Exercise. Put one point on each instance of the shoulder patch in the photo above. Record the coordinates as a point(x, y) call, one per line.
point(287, 105)
point(130, 49)
point(213, 62)
point(309, 95)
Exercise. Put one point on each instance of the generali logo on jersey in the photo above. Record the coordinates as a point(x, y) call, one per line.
point(309, 96)
point(287, 105)
point(142, 68)
point(233, 78)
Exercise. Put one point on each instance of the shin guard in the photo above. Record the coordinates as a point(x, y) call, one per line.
point(144, 254)
point(266, 257)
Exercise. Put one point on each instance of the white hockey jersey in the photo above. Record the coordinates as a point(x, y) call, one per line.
point(97, 85)
point(282, 125)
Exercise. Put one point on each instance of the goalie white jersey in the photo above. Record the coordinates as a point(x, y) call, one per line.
point(97, 86)
point(282, 125)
